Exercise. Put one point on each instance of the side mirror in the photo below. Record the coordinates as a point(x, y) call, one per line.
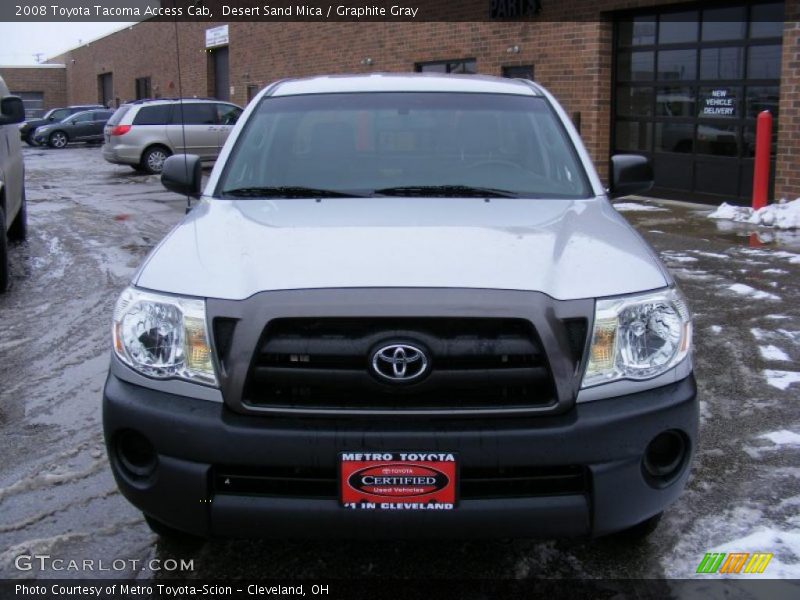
point(630, 174)
point(182, 174)
point(12, 110)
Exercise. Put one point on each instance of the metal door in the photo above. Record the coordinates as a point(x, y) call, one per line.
point(105, 87)
point(221, 73)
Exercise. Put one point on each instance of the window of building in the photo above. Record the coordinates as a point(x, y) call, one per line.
point(466, 65)
point(518, 72)
point(33, 102)
point(252, 90)
point(143, 89)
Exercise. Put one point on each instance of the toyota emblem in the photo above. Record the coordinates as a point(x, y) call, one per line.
point(400, 363)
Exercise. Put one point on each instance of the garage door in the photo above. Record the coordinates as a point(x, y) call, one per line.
point(688, 85)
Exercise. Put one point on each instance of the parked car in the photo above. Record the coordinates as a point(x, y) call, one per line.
point(27, 128)
point(404, 306)
point(84, 126)
point(13, 208)
point(144, 133)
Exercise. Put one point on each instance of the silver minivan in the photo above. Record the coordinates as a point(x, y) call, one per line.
point(13, 214)
point(144, 133)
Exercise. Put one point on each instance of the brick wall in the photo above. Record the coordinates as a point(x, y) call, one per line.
point(144, 50)
point(51, 81)
point(787, 174)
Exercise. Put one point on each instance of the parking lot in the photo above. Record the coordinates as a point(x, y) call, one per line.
point(92, 223)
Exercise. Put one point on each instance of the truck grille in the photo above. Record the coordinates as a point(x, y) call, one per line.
point(326, 364)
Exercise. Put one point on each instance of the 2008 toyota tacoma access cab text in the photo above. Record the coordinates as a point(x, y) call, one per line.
point(403, 306)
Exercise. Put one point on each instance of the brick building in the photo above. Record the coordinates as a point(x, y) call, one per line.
point(41, 87)
point(681, 83)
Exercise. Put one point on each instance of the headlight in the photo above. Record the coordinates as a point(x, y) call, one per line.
point(163, 336)
point(638, 337)
point(23, 125)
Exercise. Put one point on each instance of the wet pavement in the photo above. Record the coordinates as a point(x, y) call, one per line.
point(92, 223)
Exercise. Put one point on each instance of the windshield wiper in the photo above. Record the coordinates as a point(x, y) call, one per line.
point(287, 192)
point(456, 191)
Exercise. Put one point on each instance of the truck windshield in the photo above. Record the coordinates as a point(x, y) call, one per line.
point(403, 144)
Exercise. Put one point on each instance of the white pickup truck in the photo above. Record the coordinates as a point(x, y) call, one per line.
point(403, 307)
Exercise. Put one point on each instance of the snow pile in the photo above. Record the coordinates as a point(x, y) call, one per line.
point(746, 290)
point(783, 438)
point(781, 379)
point(771, 352)
point(634, 207)
point(785, 215)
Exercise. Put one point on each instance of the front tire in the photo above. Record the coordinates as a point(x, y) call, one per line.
point(30, 139)
point(641, 530)
point(153, 159)
point(170, 534)
point(19, 228)
point(4, 268)
point(58, 139)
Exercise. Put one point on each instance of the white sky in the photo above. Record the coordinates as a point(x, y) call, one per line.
point(21, 41)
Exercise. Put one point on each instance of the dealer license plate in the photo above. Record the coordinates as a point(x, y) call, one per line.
point(398, 480)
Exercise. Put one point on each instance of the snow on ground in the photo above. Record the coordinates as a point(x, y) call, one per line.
point(746, 290)
point(784, 545)
point(710, 254)
point(715, 329)
point(792, 257)
point(681, 258)
point(693, 274)
point(635, 207)
point(783, 438)
point(781, 379)
point(792, 335)
point(771, 352)
point(784, 215)
point(741, 528)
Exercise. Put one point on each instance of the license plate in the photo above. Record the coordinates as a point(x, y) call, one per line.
point(398, 480)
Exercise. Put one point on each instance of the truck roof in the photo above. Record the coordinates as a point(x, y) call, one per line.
point(405, 82)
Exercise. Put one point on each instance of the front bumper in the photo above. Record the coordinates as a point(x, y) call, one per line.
point(192, 437)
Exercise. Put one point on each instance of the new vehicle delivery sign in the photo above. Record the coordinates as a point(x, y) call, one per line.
point(398, 481)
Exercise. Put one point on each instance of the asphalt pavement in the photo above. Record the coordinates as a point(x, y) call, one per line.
point(92, 223)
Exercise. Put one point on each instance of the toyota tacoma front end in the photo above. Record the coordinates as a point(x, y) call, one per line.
point(403, 307)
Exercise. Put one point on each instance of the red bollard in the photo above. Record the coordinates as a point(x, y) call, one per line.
point(761, 168)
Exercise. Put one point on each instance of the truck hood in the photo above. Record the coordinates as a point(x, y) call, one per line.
point(568, 249)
